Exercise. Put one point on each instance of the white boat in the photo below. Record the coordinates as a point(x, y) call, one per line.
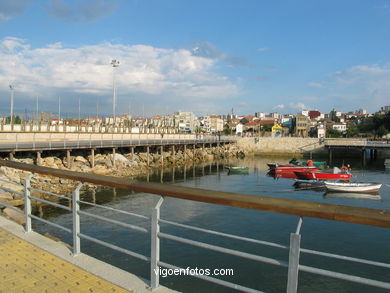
point(355, 187)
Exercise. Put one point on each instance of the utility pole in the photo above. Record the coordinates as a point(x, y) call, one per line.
point(115, 64)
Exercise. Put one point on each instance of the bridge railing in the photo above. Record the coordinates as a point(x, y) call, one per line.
point(301, 209)
point(54, 141)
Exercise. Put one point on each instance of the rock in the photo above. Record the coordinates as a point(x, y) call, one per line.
point(120, 158)
point(100, 170)
point(81, 159)
point(48, 161)
point(15, 216)
point(6, 196)
point(16, 202)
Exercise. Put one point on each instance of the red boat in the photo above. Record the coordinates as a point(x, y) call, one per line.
point(287, 171)
point(322, 176)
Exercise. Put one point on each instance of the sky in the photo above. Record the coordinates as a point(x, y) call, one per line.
point(208, 57)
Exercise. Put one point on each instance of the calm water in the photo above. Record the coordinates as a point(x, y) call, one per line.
point(330, 236)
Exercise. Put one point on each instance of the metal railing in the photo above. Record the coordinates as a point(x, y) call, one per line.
point(301, 209)
point(55, 141)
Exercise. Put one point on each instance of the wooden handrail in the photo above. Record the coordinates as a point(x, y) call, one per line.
point(356, 215)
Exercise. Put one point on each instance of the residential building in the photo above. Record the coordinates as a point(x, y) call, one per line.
point(302, 124)
point(321, 130)
point(340, 127)
point(186, 121)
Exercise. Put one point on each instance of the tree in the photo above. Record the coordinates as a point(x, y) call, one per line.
point(333, 133)
point(17, 120)
point(267, 127)
point(382, 131)
point(352, 131)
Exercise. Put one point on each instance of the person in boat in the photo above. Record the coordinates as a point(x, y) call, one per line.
point(310, 163)
point(345, 169)
point(293, 161)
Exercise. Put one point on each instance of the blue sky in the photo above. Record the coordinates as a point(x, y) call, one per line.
point(202, 56)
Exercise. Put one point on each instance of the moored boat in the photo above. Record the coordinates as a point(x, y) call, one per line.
point(387, 164)
point(238, 170)
point(355, 187)
point(322, 175)
point(299, 183)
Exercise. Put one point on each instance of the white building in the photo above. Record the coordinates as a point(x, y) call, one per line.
point(340, 127)
point(186, 121)
point(305, 112)
point(260, 115)
point(321, 131)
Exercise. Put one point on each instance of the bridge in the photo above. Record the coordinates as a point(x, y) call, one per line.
point(364, 145)
point(13, 142)
point(299, 208)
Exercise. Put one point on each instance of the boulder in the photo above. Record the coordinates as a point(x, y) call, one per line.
point(81, 159)
point(15, 216)
point(4, 196)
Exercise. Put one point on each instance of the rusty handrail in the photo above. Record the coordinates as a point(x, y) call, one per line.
point(356, 215)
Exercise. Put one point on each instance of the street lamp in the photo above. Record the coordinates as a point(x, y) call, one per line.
point(11, 87)
point(114, 63)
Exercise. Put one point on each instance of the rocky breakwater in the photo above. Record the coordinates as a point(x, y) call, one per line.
point(120, 165)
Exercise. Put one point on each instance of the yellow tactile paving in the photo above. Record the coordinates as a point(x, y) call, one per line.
point(27, 268)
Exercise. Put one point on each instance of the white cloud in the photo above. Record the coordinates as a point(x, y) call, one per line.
point(299, 106)
point(280, 106)
point(363, 86)
point(169, 75)
point(263, 49)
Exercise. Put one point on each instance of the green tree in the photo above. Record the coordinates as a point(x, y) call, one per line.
point(352, 131)
point(267, 127)
point(333, 133)
point(17, 120)
point(382, 131)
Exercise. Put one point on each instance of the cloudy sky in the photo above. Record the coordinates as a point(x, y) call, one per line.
point(202, 56)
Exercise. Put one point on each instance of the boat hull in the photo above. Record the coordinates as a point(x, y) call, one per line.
point(238, 170)
point(353, 187)
point(299, 183)
point(321, 176)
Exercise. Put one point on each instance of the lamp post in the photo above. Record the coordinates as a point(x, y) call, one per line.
point(12, 106)
point(115, 64)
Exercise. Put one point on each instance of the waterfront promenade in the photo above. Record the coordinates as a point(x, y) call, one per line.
point(30, 262)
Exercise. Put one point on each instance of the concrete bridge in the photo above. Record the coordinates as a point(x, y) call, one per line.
point(12, 142)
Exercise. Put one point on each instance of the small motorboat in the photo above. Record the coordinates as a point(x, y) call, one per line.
point(387, 164)
point(322, 175)
point(293, 168)
point(338, 174)
point(309, 184)
point(238, 170)
point(355, 187)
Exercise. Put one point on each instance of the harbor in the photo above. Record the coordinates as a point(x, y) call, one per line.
point(316, 234)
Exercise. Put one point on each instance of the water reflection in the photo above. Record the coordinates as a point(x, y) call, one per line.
point(352, 195)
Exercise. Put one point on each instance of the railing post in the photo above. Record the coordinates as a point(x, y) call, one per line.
point(27, 203)
point(76, 219)
point(155, 246)
point(293, 259)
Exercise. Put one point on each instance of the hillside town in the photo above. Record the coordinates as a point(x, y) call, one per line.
point(307, 123)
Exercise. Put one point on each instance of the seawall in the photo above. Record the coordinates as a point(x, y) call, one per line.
point(287, 146)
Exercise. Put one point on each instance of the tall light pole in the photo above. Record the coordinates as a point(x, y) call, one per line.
point(12, 106)
point(115, 64)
